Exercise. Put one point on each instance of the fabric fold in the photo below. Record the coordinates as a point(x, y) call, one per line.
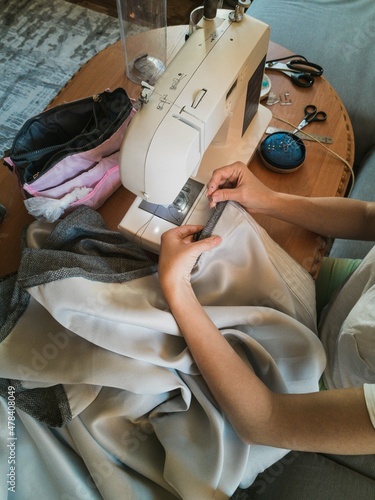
point(95, 339)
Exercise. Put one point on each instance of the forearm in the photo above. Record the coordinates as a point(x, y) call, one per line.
point(329, 421)
point(332, 216)
point(334, 421)
point(226, 374)
point(328, 216)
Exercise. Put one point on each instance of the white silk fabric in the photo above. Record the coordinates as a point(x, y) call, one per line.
point(144, 424)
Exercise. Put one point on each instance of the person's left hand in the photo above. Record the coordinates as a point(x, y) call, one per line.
point(179, 252)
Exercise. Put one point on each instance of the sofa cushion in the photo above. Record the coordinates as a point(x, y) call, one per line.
point(340, 36)
point(364, 189)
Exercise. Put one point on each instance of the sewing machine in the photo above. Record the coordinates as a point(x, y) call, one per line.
point(202, 113)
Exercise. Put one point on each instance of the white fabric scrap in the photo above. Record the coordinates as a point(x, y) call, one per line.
point(51, 209)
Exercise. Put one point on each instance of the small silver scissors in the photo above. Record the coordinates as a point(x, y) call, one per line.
point(311, 115)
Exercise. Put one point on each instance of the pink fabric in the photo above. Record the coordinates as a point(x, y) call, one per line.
point(8, 160)
point(89, 178)
point(104, 188)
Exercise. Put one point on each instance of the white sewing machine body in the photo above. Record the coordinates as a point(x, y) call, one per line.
point(203, 113)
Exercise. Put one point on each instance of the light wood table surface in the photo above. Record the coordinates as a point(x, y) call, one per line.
point(322, 174)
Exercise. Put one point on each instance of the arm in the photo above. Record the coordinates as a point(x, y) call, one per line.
point(330, 216)
point(331, 421)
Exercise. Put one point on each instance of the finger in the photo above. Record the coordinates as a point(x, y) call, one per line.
point(223, 176)
point(189, 230)
point(223, 195)
point(206, 244)
point(180, 233)
point(215, 182)
point(218, 179)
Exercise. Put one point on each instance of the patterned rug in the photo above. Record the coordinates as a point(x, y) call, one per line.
point(43, 43)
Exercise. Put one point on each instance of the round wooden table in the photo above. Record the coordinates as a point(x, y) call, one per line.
point(322, 174)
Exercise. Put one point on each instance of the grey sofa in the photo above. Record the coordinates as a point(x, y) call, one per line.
point(340, 36)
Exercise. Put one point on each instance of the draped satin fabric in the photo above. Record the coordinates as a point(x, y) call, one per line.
point(135, 418)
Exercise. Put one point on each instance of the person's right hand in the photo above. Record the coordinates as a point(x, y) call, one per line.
point(178, 255)
point(236, 182)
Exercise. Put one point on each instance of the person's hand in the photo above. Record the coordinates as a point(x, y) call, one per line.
point(179, 252)
point(236, 182)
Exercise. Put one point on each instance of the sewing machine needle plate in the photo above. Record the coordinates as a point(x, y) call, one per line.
point(178, 210)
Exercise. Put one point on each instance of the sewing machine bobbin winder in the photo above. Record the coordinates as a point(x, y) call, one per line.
point(201, 114)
